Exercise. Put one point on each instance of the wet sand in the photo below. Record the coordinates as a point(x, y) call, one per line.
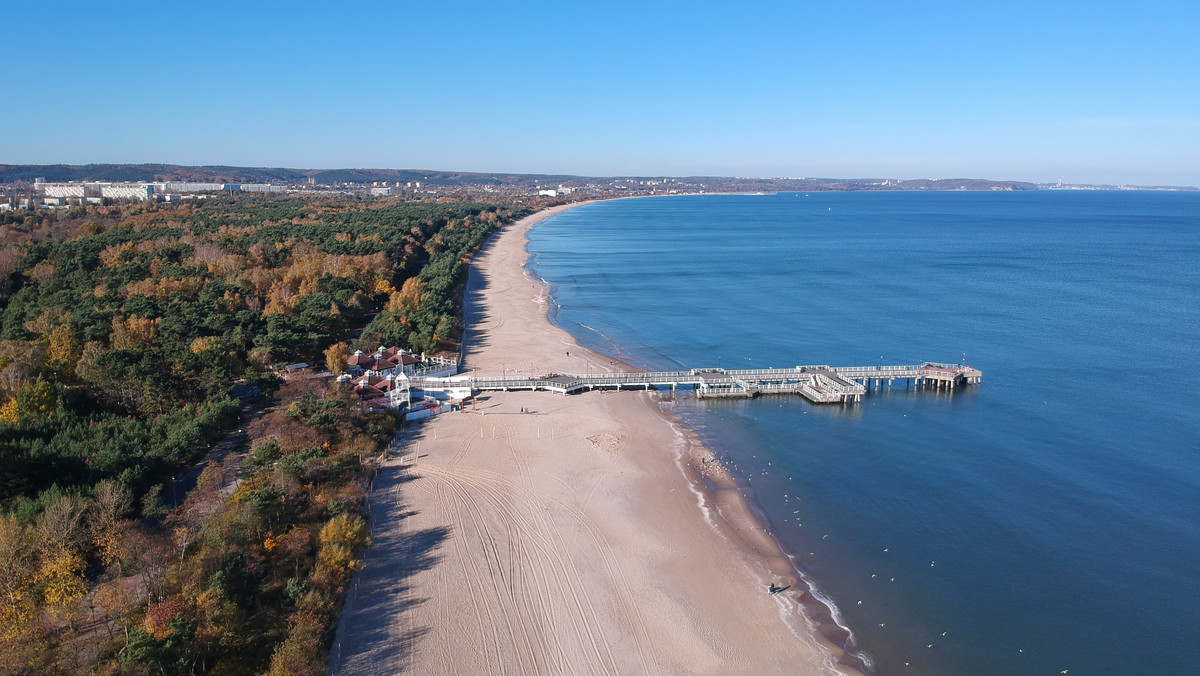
point(544, 533)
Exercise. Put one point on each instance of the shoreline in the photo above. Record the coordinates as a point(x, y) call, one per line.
point(721, 490)
point(541, 533)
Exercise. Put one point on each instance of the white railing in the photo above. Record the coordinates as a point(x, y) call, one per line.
point(818, 383)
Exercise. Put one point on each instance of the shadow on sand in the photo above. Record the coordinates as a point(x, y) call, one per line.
point(375, 635)
point(475, 338)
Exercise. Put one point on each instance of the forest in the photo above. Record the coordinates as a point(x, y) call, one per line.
point(134, 338)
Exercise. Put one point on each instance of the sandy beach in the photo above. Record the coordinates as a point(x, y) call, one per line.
point(547, 534)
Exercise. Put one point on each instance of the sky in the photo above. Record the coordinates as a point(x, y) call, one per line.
point(1091, 92)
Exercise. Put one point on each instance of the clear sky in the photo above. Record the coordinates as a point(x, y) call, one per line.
point(1093, 92)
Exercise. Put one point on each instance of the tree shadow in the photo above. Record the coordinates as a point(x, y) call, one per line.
point(475, 338)
point(373, 636)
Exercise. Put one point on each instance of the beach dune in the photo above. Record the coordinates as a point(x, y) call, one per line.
point(536, 533)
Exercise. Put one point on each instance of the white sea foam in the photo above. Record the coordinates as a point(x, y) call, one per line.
point(680, 445)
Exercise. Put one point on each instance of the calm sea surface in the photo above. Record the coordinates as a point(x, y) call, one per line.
point(1046, 520)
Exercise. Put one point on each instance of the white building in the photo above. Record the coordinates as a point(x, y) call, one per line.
point(63, 190)
point(193, 186)
point(119, 191)
point(98, 189)
point(381, 192)
point(262, 187)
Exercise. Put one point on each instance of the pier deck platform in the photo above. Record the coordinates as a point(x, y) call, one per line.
point(819, 384)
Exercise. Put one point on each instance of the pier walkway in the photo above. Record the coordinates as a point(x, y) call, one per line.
point(818, 384)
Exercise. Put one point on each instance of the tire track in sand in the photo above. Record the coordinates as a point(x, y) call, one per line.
point(565, 581)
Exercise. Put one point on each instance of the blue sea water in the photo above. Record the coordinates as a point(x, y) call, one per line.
point(1048, 519)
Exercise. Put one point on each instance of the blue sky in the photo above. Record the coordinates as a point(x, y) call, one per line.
point(1086, 92)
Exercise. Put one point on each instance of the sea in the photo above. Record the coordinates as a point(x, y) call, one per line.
point(1046, 521)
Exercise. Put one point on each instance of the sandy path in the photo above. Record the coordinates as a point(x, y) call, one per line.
point(551, 534)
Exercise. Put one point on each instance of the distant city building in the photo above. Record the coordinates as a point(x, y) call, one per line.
point(547, 193)
point(262, 187)
point(135, 191)
point(63, 190)
point(381, 192)
point(186, 186)
point(98, 189)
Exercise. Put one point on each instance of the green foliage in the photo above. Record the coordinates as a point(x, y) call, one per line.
point(152, 503)
point(202, 298)
point(123, 332)
point(264, 454)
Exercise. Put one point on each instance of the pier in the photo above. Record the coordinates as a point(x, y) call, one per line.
point(818, 384)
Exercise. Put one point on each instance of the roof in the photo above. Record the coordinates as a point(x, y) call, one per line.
point(383, 359)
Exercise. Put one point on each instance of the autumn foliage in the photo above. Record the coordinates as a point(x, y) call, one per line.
point(123, 333)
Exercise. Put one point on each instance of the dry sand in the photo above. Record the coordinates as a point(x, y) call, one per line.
point(553, 534)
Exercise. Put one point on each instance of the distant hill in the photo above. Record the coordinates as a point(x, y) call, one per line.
point(13, 173)
point(332, 176)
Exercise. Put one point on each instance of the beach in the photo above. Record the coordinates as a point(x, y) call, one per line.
point(544, 533)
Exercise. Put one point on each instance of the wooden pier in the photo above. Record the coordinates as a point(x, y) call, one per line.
point(818, 384)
